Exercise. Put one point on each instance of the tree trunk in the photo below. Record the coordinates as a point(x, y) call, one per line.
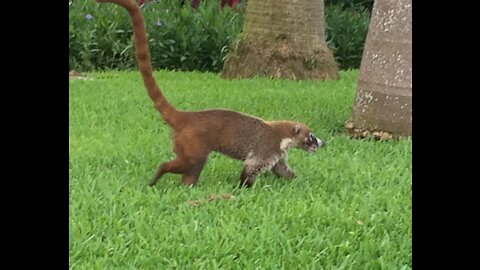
point(282, 39)
point(383, 103)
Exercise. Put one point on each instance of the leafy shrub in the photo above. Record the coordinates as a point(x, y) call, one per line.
point(346, 30)
point(349, 4)
point(179, 37)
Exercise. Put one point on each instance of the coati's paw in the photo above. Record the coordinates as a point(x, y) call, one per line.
point(289, 175)
point(152, 182)
point(286, 175)
point(189, 180)
point(246, 184)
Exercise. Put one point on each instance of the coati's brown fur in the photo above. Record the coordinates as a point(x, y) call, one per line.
point(261, 145)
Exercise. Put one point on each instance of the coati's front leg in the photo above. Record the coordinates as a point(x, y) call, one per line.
point(281, 169)
point(249, 174)
point(254, 165)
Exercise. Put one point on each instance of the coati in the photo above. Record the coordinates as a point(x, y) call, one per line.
point(261, 145)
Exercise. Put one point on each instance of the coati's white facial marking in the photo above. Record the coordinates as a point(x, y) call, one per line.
point(286, 143)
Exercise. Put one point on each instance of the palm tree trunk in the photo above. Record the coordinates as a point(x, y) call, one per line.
point(383, 103)
point(282, 39)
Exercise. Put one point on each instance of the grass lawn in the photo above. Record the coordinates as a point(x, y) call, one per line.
point(350, 206)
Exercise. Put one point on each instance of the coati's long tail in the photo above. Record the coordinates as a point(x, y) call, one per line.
point(143, 58)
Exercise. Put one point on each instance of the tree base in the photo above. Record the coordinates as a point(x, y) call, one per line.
point(382, 107)
point(365, 133)
point(279, 59)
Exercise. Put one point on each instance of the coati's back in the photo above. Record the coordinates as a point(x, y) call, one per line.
point(232, 133)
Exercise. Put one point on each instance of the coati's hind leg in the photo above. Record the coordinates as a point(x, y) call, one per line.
point(189, 161)
point(189, 168)
point(191, 177)
point(281, 169)
point(177, 165)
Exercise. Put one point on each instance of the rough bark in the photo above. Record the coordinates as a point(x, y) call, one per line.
point(282, 39)
point(383, 103)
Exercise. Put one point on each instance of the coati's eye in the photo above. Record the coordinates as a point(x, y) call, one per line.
point(311, 138)
point(307, 138)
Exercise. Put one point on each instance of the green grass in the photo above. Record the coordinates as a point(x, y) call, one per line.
point(349, 207)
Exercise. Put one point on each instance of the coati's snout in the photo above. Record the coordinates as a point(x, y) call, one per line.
point(313, 143)
point(306, 140)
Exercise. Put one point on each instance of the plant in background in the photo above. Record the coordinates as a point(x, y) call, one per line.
point(346, 30)
point(183, 38)
point(180, 37)
point(349, 4)
point(98, 39)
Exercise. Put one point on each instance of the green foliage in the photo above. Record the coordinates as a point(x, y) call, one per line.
point(179, 37)
point(190, 39)
point(355, 4)
point(350, 206)
point(346, 30)
point(102, 42)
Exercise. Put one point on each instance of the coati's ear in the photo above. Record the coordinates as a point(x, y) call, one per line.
point(296, 129)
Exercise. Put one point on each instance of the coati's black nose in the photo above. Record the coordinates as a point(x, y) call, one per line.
point(321, 143)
